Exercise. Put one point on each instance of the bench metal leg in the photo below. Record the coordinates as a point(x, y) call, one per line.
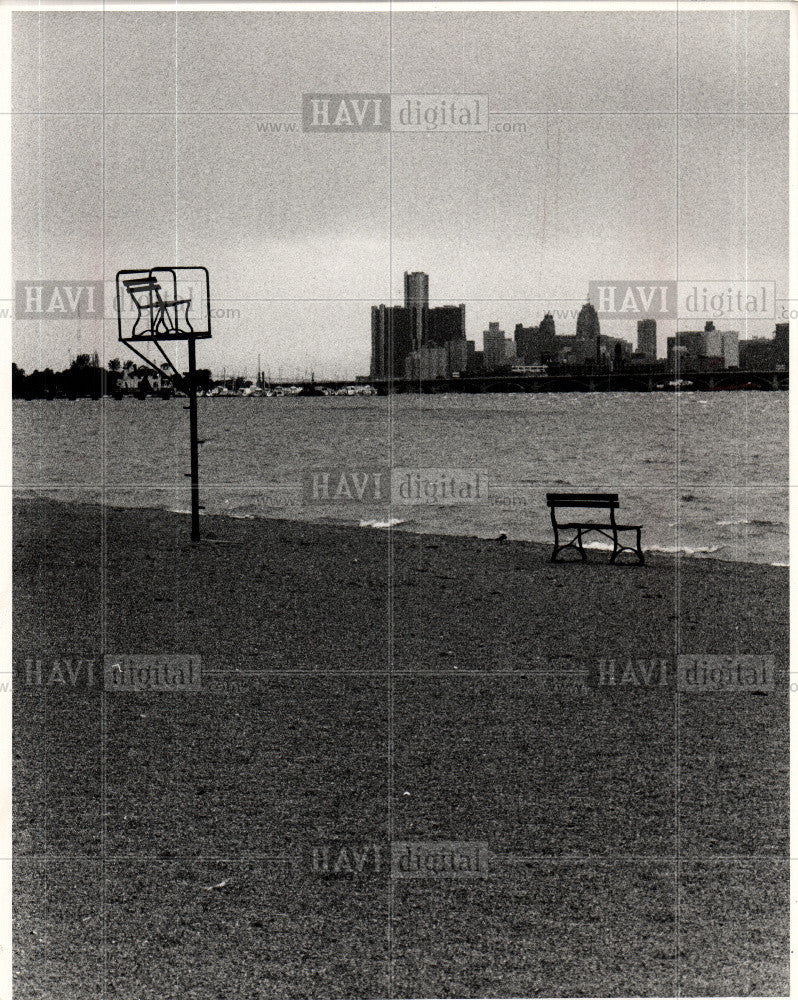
point(577, 541)
point(638, 549)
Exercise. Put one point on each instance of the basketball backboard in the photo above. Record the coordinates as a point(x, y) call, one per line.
point(163, 303)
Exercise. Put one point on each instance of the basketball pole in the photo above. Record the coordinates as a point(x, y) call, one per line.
point(192, 419)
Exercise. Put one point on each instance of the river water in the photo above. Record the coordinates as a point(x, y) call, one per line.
point(705, 473)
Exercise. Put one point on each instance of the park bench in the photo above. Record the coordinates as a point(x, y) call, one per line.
point(609, 528)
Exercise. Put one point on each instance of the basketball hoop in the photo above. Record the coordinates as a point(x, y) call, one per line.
point(161, 304)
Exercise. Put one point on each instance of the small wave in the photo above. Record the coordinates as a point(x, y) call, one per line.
point(782, 564)
point(390, 523)
point(755, 522)
point(685, 550)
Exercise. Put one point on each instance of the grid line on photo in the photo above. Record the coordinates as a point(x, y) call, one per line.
point(104, 587)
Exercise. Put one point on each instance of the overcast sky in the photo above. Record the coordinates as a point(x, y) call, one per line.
point(655, 147)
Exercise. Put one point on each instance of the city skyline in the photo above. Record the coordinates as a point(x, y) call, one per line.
point(678, 172)
point(550, 322)
point(279, 370)
point(417, 341)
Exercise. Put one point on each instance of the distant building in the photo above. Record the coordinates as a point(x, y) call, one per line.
point(638, 360)
point(399, 331)
point(457, 355)
point(494, 349)
point(537, 344)
point(417, 301)
point(704, 350)
point(647, 338)
point(766, 353)
point(588, 330)
point(526, 338)
point(758, 354)
point(723, 344)
point(687, 345)
point(476, 362)
point(781, 343)
point(679, 358)
point(547, 327)
point(416, 289)
point(578, 350)
point(540, 345)
point(428, 362)
point(445, 323)
point(391, 340)
point(613, 351)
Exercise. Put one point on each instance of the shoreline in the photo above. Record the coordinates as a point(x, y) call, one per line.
point(299, 591)
point(399, 525)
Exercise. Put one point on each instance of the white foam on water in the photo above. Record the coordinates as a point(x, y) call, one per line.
point(390, 523)
point(670, 550)
point(685, 550)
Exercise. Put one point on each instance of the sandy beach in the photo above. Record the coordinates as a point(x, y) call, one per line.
point(362, 688)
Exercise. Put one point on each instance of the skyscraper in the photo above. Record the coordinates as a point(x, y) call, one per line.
point(722, 344)
point(588, 331)
point(537, 344)
point(547, 331)
point(647, 338)
point(495, 352)
point(399, 334)
point(526, 342)
point(587, 323)
point(391, 340)
point(417, 301)
point(416, 288)
point(445, 323)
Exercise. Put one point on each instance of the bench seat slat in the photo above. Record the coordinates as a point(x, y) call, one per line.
point(582, 499)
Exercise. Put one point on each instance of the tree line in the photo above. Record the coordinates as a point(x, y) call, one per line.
point(87, 378)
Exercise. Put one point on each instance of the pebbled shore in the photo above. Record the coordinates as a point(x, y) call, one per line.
point(305, 596)
point(374, 687)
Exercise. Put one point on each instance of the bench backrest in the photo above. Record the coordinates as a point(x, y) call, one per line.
point(605, 500)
